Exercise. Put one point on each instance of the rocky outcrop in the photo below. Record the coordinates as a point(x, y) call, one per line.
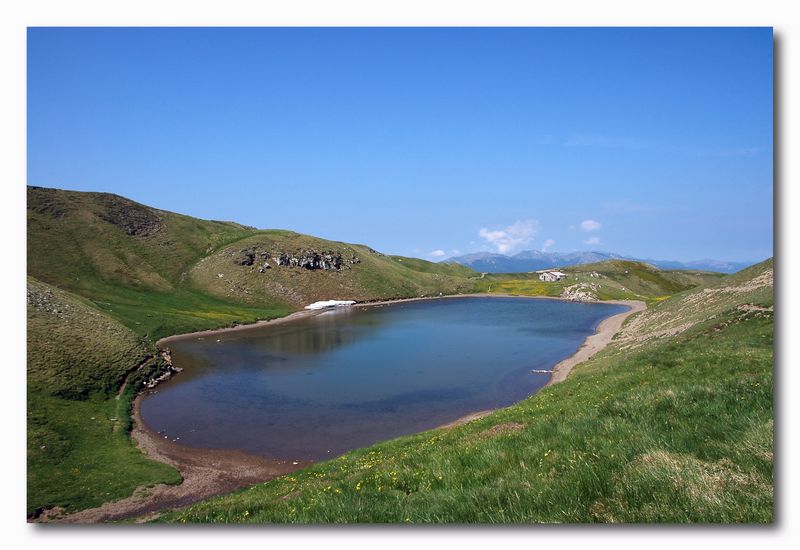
point(43, 300)
point(164, 371)
point(581, 292)
point(248, 258)
point(134, 218)
point(307, 259)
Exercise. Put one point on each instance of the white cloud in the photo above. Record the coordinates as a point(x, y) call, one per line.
point(437, 254)
point(590, 225)
point(516, 234)
point(547, 244)
point(592, 240)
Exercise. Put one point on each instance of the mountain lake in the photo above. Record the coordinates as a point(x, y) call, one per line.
point(316, 387)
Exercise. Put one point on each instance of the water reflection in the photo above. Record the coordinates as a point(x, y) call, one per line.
point(278, 347)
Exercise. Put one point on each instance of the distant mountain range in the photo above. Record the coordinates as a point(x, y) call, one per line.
point(532, 260)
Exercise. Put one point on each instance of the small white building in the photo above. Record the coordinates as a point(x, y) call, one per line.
point(552, 276)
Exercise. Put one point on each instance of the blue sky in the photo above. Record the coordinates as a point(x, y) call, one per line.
point(424, 142)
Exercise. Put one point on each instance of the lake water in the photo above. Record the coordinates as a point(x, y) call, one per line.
point(319, 386)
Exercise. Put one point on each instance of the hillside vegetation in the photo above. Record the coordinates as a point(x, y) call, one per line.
point(79, 451)
point(673, 422)
point(131, 260)
point(608, 280)
point(365, 274)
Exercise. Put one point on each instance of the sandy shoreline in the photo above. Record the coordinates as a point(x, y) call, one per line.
point(209, 472)
point(602, 336)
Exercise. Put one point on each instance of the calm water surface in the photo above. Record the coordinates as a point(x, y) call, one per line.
point(349, 377)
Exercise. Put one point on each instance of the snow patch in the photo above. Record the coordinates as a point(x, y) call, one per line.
point(330, 303)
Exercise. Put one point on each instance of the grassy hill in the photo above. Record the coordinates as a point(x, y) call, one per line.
point(364, 275)
point(608, 280)
point(131, 260)
point(673, 422)
point(93, 242)
point(79, 451)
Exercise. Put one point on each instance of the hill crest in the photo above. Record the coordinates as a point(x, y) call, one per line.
point(533, 260)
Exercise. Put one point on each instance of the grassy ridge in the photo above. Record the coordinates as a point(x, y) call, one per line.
point(374, 276)
point(131, 260)
point(610, 280)
point(677, 428)
point(86, 242)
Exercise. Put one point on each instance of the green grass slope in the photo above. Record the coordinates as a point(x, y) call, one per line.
point(79, 452)
point(609, 280)
point(673, 422)
point(88, 242)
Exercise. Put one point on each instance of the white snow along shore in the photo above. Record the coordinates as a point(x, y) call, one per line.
point(330, 303)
